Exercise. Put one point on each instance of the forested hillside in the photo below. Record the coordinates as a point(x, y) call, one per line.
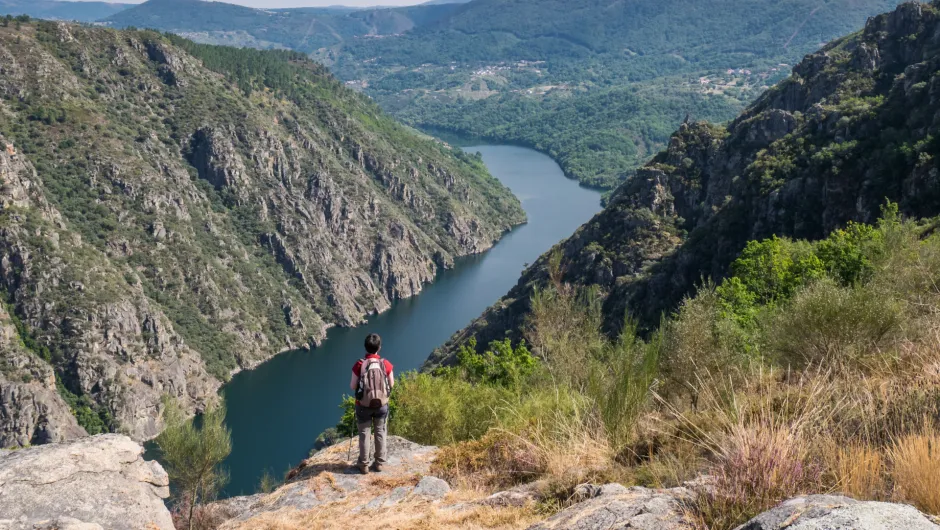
point(174, 212)
point(629, 72)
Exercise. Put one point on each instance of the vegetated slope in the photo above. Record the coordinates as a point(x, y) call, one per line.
point(305, 30)
point(540, 62)
point(52, 9)
point(853, 126)
point(172, 212)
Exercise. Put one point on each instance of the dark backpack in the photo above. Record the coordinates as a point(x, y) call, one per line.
point(374, 387)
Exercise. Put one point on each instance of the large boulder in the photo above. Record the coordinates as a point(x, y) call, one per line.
point(835, 512)
point(96, 482)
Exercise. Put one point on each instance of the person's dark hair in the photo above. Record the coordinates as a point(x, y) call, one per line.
point(373, 343)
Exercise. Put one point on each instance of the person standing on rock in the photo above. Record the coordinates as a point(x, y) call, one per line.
point(372, 381)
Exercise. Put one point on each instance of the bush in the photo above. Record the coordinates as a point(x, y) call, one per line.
point(500, 365)
point(439, 410)
point(831, 324)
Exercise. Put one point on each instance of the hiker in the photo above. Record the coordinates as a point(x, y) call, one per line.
point(372, 381)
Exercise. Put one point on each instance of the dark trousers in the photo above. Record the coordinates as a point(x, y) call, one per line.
point(372, 419)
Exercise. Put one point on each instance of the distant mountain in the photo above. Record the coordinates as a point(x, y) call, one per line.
point(302, 29)
point(439, 2)
point(597, 84)
point(51, 9)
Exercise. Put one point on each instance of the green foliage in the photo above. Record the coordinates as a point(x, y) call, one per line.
point(439, 410)
point(500, 364)
point(771, 271)
point(831, 325)
point(192, 454)
point(621, 379)
point(347, 424)
point(94, 418)
point(267, 483)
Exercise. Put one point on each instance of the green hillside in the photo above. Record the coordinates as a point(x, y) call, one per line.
point(542, 63)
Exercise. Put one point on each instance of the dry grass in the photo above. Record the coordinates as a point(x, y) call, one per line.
point(407, 515)
point(915, 461)
point(858, 470)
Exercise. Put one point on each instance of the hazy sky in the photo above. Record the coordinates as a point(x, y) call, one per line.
point(304, 3)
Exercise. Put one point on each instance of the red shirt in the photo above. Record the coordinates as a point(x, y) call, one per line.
point(357, 368)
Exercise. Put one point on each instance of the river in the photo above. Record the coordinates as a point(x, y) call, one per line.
point(277, 410)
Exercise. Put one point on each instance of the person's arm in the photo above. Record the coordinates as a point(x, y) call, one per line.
point(354, 383)
point(391, 379)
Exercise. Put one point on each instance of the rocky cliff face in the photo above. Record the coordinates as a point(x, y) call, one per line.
point(167, 219)
point(855, 125)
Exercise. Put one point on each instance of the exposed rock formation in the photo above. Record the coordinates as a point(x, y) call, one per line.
point(615, 507)
point(161, 228)
point(100, 482)
point(31, 410)
point(834, 512)
point(329, 477)
point(854, 125)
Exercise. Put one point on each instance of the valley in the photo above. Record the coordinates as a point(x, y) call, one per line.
point(661, 264)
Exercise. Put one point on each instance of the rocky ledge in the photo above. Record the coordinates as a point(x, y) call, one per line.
point(104, 483)
point(101, 482)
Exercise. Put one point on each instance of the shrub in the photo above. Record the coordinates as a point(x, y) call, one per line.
point(700, 339)
point(828, 323)
point(439, 410)
point(620, 382)
point(495, 461)
point(192, 456)
point(500, 364)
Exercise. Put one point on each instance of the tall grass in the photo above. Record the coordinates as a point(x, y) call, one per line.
point(915, 460)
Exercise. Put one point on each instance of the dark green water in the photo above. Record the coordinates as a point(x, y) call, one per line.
point(277, 410)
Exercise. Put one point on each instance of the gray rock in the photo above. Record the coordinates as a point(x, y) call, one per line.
point(328, 476)
point(633, 508)
point(835, 512)
point(432, 488)
point(590, 491)
point(96, 482)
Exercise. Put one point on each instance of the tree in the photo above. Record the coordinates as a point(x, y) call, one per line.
point(192, 454)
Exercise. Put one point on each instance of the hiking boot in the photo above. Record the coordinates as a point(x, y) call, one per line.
point(364, 469)
point(377, 467)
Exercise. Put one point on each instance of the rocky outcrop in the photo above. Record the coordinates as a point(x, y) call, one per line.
point(329, 477)
point(852, 127)
point(95, 483)
point(835, 512)
point(161, 228)
point(613, 506)
point(31, 410)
